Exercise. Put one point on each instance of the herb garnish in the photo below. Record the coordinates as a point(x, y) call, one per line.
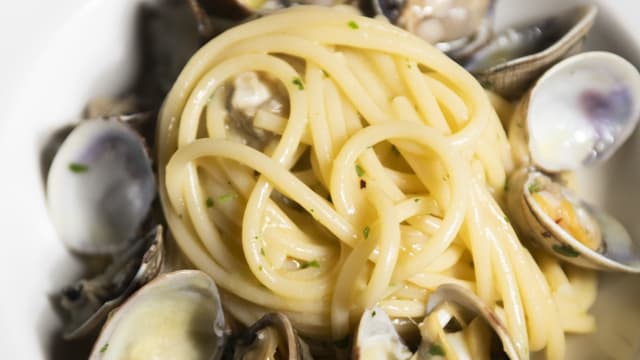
point(354, 25)
point(565, 250)
point(226, 197)
point(506, 218)
point(78, 168)
point(416, 200)
point(373, 313)
point(104, 348)
point(534, 187)
point(209, 202)
point(436, 349)
point(359, 170)
point(506, 185)
point(365, 232)
point(306, 264)
point(297, 82)
point(262, 252)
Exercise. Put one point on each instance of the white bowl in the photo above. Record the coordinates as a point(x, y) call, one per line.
point(59, 54)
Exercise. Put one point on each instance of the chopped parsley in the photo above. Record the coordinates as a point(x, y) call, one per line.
point(226, 197)
point(297, 82)
point(262, 252)
point(104, 348)
point(307, 264)
point(354, 25)
point(260, 267)
point(373, 313)
point(506, 218)
point(565, 250)
point(209, 202)
point(365, 232)
point(534, 187)
point(359, 170)
point(436, 349)
point(78, 168)
point(416, 200)
point(506, 185)
point(325, 73)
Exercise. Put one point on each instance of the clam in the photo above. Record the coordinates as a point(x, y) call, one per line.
point(100, 187)
point(514, 58)
point(377, 338)
point(86, 304)
point(176, 316)
point(578, 113)
point(224, 13)
point(460, 326)
point(270, 335)
point(452, 26)
point(554, 217)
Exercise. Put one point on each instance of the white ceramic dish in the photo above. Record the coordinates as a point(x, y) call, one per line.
point(57, 55)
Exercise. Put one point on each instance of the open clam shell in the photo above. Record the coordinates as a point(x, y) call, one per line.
point(176, 316)
point(86, 304)
point(552, 216)
point(377, 338)
point(514, 58)
point(271, 334)
point(456, 27)
point(100, 187)
point(452, 312)
point(578, 113)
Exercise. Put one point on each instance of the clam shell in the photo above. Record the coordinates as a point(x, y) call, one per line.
point(176, 316)
point(618, 252)
point(511, 78)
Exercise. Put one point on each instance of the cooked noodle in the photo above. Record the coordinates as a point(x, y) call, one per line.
point(378, 181)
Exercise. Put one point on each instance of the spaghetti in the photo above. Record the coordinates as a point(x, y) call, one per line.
point(367, 168)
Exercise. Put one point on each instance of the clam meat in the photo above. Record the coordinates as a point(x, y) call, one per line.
point(449, 25)
point(553, 216)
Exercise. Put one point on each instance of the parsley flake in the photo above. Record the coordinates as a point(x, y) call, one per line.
point(365, 232)
point(534, 187)
point(262, 252)
point(209, 202)
point(307, 264)
point(104, 348)
point(78, 168)
point(354, 25)
point(226, 197)
point(297, 82)
point(507, 219)
point(565, 250)
point(416, 200)
point(506, 185)
point(359, 170)
point(373, 313)
point(436, 349)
